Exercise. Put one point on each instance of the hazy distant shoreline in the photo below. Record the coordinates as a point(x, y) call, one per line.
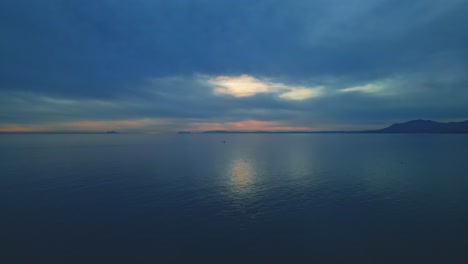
point(410, 127)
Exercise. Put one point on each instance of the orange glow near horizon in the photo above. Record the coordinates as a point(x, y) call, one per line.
point(17, 129)
point(247, 125)
point(140, 125)
point(112, 125)
point(153, 126)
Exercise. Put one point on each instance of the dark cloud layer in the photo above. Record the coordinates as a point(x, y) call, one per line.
point(375, 61)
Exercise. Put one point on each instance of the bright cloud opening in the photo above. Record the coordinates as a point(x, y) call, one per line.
point(242, 86)
point(245, 86)
point(301, 93)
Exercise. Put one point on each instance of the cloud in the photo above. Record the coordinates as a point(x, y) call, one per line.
point(241, 86)
point(299, 93)
point(245, 86)
point(176, 103)
point(368, 88)
point(315, 64)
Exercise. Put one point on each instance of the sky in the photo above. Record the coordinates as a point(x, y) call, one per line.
point(151, 66)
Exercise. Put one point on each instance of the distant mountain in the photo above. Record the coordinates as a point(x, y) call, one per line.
point(426, 126)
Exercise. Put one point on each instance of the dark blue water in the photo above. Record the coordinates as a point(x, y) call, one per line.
point(338, 198)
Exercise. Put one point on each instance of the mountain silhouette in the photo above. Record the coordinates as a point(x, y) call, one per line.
point(426, 126)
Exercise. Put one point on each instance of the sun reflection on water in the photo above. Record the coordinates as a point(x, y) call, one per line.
point(241, 176)
point(242, 191)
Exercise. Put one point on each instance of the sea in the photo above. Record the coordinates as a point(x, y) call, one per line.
point(233, 198)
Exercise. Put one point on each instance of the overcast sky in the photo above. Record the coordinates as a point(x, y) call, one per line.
point(164, 66)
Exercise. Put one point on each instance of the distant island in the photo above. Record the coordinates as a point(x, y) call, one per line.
point(415, 126)
point(112, 132)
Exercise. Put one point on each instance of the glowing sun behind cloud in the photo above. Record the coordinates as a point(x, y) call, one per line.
point(242, 86)
point(246, 86)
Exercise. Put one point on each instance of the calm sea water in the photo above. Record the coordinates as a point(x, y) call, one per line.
point(321, 198)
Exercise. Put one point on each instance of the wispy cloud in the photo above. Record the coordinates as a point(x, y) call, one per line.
point(368, 88)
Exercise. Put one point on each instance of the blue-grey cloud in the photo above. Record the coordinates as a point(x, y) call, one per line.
point(65, 61)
